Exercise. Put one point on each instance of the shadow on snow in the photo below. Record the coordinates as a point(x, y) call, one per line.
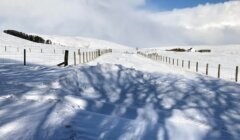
point(119, 102)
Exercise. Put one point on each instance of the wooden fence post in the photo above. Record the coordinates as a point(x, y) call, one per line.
point(177, 62)
point(79, 55)
point(99, 53)
point(207, 69)
point(66, 58)
point(219, 67)
point(24, 57)
point(173, 61)
point(182, 63)
point(5, 48)
point(83, 57)
point(75, 63)
point(236, 75)
point(86, 57)
point(197, 67)
point(189, 65)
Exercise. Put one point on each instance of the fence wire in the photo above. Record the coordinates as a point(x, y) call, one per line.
point(47, 56)
point(227, 72)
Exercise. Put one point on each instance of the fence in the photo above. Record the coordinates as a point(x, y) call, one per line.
point(48, 56)
point(218, 70)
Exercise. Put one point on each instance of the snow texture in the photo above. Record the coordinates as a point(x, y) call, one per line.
point(117, 96)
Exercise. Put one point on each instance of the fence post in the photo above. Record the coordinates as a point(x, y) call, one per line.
point(219, 67)
point(207, 69)
point(66, 58)
point(236, 75)
point(75, 63)
point(189, 65)
point(41, 51)
point(99, 52)
point(79, 54)
point(24, 57)
point(173, 61)
point(197, 67)
point(177, 62)
point(182, 63)
point(91, 55)
point(5, 48)
point(54, 51)
point(83, 57)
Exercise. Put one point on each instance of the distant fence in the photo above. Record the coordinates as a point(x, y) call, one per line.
point(48, 56)
point(195, 66)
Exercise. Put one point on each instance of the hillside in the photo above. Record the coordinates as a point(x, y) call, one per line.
point(226, 55)
point(60, 42)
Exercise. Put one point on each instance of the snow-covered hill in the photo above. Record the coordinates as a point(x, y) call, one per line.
point(81, 42)
point(60, 41)
point(226, 55)
point(11, 49)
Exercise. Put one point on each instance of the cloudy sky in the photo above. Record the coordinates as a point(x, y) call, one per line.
point(138, 23)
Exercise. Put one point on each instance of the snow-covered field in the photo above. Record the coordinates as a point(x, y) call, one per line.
point(117, 96)
point(226, 55)
point(11, 49)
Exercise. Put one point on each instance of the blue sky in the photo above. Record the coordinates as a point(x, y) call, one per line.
point(163, 5)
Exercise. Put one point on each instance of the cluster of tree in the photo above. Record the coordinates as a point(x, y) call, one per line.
point(177, 50)
point(22, 35)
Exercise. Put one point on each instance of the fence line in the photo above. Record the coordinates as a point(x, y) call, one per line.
point(48, 56)
point(195, 66)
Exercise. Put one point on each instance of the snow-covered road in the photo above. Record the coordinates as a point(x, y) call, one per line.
point(117, 96)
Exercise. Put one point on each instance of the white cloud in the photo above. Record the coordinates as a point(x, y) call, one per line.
point(124, 22)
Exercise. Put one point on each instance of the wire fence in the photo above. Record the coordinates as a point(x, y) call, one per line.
point(47, 56)
point(214, 70)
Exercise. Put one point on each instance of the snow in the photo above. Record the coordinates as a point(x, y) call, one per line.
point(117, 96)
point(226, 55)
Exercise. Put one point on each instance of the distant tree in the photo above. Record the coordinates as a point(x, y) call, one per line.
point(22, 35)
point(48, 42)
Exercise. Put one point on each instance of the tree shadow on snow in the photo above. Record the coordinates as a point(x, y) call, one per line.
point(123, 103)
point(137, 105)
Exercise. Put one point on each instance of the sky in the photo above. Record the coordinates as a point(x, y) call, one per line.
point(136, 23)
point(162, 5)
